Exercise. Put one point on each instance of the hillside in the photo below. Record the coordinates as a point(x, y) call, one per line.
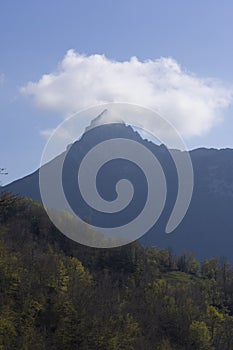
point(57, 294)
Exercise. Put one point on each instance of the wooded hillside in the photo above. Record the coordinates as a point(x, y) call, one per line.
point(56, 294)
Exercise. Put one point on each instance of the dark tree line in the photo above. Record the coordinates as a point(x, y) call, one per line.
point(56, 294)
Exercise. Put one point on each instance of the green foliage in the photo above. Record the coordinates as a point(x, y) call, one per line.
point(56, 294)
point(199, 336)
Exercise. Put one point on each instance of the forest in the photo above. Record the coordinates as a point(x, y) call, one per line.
point(59, 295)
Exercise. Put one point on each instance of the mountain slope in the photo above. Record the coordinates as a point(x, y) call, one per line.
point(206, 230)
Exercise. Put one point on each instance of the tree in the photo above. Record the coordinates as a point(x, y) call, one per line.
point(199, 336)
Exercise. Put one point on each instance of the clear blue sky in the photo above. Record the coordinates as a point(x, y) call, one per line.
point(35, 36)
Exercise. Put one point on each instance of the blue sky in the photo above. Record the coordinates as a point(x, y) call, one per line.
point(35, 37)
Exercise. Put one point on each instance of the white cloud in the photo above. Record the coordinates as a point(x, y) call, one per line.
point(191, 103)
point(46, 133)
point(61, 133)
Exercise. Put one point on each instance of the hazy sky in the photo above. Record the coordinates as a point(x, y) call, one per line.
point(58, 56)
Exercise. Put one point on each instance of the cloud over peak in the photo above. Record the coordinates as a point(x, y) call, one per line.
point(192, 104)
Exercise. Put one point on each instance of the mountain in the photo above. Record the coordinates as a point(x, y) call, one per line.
point(207, 228)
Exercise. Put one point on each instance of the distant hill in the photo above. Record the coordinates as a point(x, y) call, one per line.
point(206, 230)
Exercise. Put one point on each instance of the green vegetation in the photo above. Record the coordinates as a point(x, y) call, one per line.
point(56, 294)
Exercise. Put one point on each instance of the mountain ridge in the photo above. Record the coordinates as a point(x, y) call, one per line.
point(207, 228)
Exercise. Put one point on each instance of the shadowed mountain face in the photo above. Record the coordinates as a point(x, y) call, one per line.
point(207, 228)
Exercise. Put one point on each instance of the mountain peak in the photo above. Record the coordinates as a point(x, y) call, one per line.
point(104, 118)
